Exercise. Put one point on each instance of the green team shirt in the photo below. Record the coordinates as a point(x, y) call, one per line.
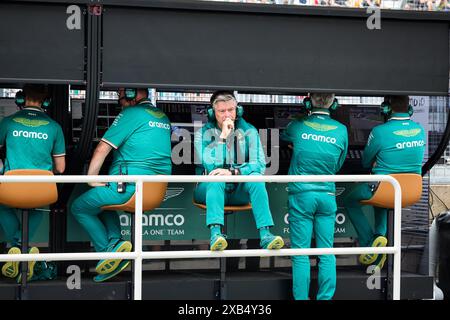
point(396, 146)
point(31, 138)
point(140, 136)
point(243, 149)
point(319, 147)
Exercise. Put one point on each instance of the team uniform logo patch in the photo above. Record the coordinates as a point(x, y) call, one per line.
point(407, 133)
point(320, 127)
point(31, 122)
point(155, 113)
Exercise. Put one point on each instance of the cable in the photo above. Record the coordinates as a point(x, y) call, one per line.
point(433, 194)
point(430, 204)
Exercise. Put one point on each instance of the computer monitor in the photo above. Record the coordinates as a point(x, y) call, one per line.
point(359, 120)
point(7, 107)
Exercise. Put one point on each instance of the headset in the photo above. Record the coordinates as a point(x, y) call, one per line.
point(20, 100)
point(307, 104)
point(130, 94)
point(386, 109)
point(210, 109)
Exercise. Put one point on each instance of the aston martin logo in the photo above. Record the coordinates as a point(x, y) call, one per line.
point(156, 113)
point(408, 133)
point(172, 192)
point(339, 191)
point(319, 127)
point(31, 123)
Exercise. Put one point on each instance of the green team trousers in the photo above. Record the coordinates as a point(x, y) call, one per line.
point(310, 211)
point(12, 227)
point(218, 194)
point(363, 191)
point(102, 227)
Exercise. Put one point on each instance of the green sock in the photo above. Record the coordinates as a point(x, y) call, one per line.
point(263, 232)
point(215, 229)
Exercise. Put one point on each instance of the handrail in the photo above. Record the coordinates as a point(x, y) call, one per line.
point(138, 255)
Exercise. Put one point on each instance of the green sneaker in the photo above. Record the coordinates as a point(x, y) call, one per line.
point(107, 266)
point(11, 268)
point(370, 258)
point(31, 264)
point(379, 262)
point(120, 267)
point(218, 243)
point(271, 242)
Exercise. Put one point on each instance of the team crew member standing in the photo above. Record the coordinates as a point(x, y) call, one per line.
point(396, 146)
point(33, 141)
point(320, 147)
point(221, 155)
point(140, 137)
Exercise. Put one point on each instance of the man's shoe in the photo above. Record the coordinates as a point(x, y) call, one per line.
point(272, 242)
point(370, 258)
point(107, 266)
point(218, 243)
point(379, 263)
point(31, 264)
point(120, 267)
point(11, 268)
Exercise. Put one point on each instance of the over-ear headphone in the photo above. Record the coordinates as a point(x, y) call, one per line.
point(130, 94)
point(307, 104)
point(20, 100)
point(212, 116)
point(46, 103)
point(386, 109)
point(210, 109)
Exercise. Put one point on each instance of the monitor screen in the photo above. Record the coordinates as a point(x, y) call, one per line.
point(7, 107)
point(359, 120)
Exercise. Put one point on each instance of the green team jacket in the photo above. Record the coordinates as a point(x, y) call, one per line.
point(140, 136)
point(242, 150)
point(32, 139)
point(319, 147)
point(396, 146)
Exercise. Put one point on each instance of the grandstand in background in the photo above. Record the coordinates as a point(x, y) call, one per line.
point(420, 5)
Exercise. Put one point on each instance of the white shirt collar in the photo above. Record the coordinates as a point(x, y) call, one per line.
point(33, 109)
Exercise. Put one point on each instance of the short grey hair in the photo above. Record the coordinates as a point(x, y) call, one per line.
point(322, 100)
point(223, 98)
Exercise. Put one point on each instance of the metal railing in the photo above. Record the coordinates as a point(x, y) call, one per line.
point(138, 255)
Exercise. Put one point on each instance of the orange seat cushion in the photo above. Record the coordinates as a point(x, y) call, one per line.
point(153, 195)
point(411, 185)
point(244, 207)
point(28, 195)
